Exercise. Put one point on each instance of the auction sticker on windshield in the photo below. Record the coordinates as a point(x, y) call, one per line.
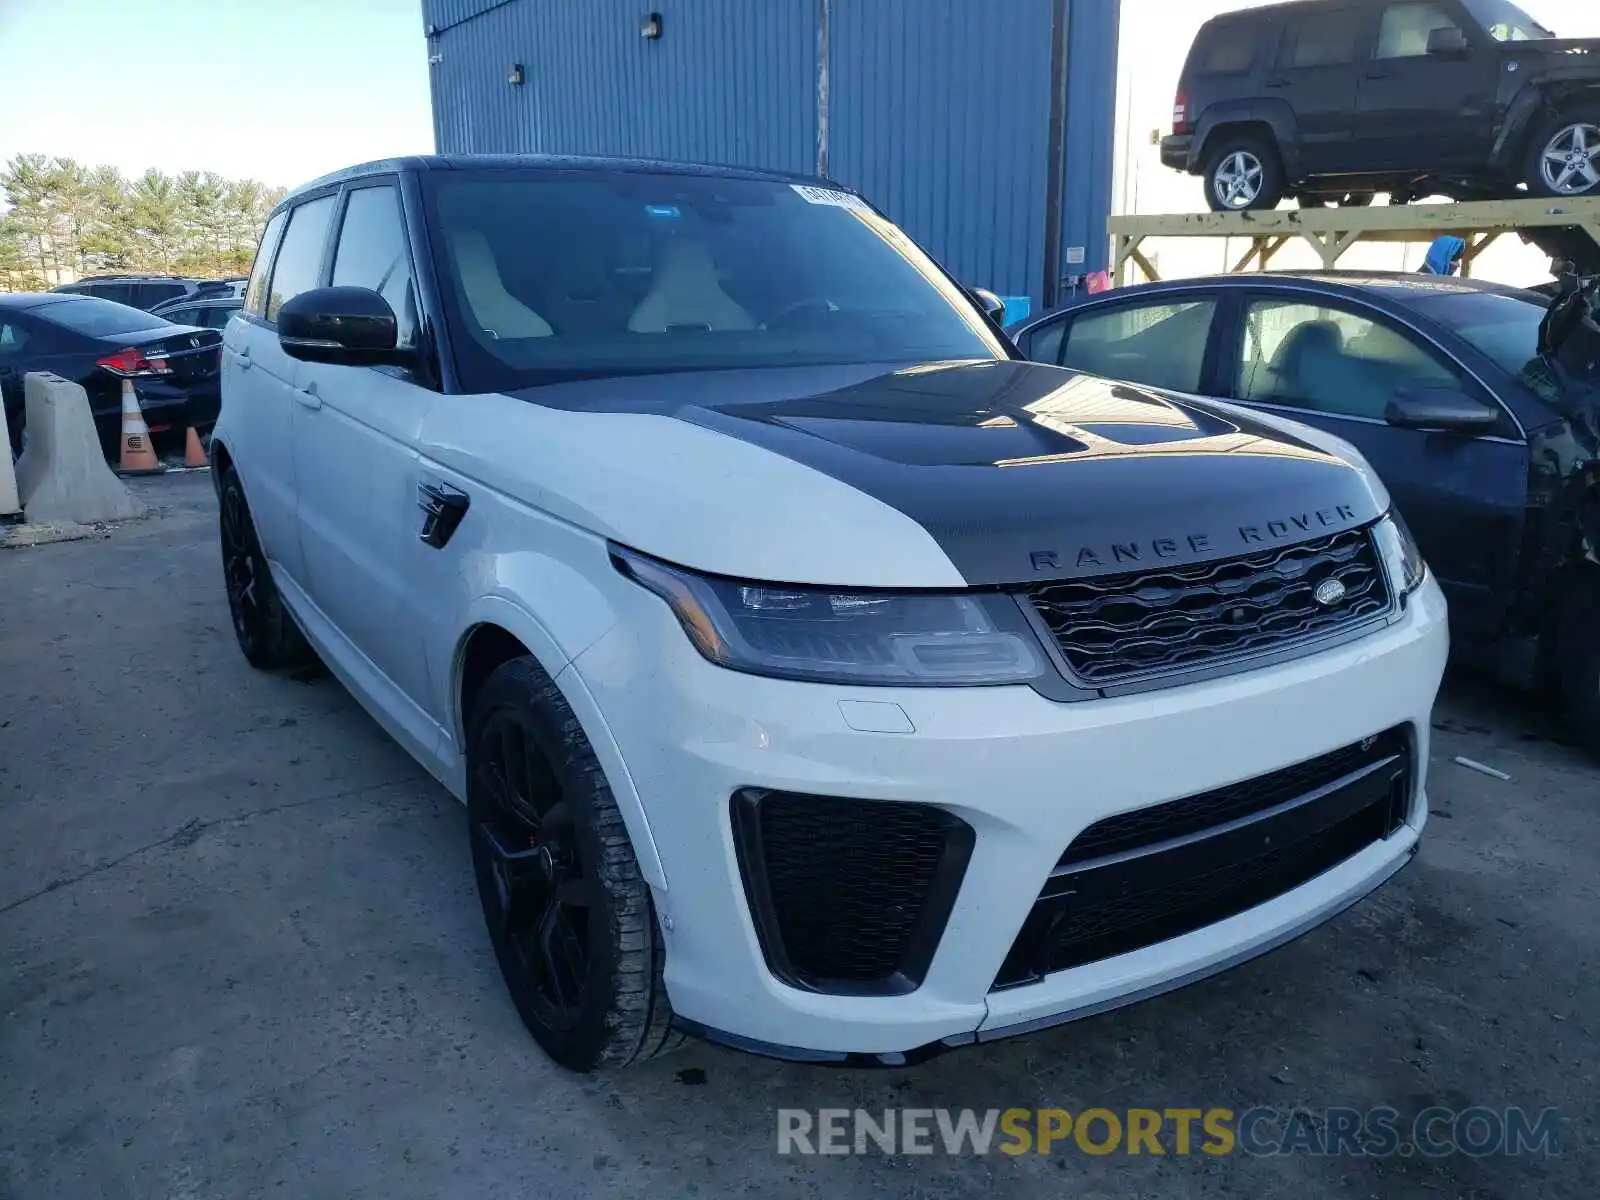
point(816, 195)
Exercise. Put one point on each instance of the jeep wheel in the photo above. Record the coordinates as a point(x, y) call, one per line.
point(569, 916)
point(267, 633)
point(1243, 174)
point(1564, 156)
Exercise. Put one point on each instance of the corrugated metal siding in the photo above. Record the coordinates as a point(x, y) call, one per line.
point(729, 81)
point(1090, 131)
point(938, 111)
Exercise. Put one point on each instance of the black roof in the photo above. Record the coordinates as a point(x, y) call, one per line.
point(1398, 283)
point(1395, 287)
point(564, 163)
point(130, 275)
point(24, 300)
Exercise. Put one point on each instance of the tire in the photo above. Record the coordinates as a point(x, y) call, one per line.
point(1565, 148)
point(1577, 664)
point(569, 915)
point(1253, 162)
point(267, 634)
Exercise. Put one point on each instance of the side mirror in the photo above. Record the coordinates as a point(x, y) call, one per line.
point(1448, 42)
point(1441, 410)
point(345, 326)
point(991, 304)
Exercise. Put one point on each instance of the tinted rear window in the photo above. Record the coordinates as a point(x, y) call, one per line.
point(147, 295)
point(94, 317)
point(1225, 49)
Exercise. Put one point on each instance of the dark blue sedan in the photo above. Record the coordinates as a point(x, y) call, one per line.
point(1490, 453)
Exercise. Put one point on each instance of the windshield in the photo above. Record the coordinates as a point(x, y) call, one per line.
point(1505, 22)
point(1505, 328)
point(98, 318)
point(554, 276)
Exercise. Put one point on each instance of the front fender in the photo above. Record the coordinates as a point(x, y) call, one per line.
point(552, 649)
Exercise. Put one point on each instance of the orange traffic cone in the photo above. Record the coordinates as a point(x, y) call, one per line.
point(138, 455)
point(194, 454)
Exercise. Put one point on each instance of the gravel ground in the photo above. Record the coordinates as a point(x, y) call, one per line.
point(240, 956)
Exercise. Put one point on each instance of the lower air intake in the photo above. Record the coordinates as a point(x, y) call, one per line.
point(848, 896)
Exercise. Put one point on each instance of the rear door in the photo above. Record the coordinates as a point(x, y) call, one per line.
point(1334, 364)
point(1314, 73)
point(1416, 109)
point(356, 469)
point(257, 409)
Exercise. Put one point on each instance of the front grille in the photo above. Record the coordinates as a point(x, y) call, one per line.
point(1179, 818)
point(1139, 878)
point(1121, 628)
point(848, 896)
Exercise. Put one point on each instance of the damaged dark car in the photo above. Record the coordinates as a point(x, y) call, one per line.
point(1477, 404)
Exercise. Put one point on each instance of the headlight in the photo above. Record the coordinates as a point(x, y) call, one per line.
point(1401, 557)
point(828, 635)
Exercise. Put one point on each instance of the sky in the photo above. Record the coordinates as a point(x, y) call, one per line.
point(276, 90)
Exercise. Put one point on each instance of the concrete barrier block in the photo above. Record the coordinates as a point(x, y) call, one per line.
point(10, 498)
point(62, 474)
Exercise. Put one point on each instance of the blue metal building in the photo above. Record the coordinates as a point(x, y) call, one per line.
point(983, 127)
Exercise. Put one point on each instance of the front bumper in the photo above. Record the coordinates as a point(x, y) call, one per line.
point(1026, 773)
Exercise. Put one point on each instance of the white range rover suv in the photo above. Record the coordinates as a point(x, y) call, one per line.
point(819, 677)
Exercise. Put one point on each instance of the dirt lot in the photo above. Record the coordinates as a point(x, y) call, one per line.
point(240, 956)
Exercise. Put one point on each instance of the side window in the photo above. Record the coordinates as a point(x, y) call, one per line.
point(1044, 343)
point(372, 254)
point(1331, 361)
point(217, 316)
point(12, 339)
point(255, 292)
point(1405, 29)
point(148, 295)
point(1320, 39)
point(1229, 49)
point(300, 256)
point(182, 316)
point(1160, 345)
point(122, 293)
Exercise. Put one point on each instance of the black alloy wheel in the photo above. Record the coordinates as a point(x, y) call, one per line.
point(568, 913)
point(266, 632)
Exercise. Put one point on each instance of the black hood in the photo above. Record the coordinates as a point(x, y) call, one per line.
point(1023, 472)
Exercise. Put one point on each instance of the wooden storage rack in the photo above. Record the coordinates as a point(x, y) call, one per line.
point(1560, 224)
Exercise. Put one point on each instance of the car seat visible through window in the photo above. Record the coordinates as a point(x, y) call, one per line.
point(686, 294)
point(496, 311)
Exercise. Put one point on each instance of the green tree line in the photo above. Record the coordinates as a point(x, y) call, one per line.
point(63, 220)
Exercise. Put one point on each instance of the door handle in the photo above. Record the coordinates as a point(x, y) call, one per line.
point(1375, 75)
point(443, 508)
point(1277, 83)
point(244, 359)
point(308, 396)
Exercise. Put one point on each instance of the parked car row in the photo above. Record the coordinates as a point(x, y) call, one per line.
point(153, 292)
point(99, 343)
point(1332, 101)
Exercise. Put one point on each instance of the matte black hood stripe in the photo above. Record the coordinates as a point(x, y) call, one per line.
point(1024, 472)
